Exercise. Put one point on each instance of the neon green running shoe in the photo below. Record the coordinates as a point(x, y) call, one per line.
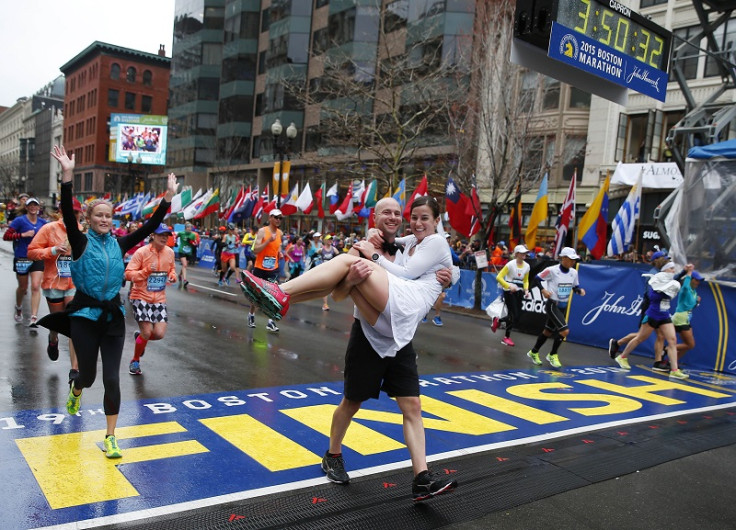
point(678, 374)
point(623, 362)
point(554, 360)
point(534, 357)
point(111, 447)
point(73, 402)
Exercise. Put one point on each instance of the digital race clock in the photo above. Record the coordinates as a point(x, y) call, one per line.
point(618, 27)
point(602, 38)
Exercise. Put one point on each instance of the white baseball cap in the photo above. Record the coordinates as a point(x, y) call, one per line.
point(569, 252)
point(521, 249)
point(275, 212)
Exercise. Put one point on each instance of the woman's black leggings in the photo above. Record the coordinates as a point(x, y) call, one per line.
point(513, 308)
point(89, 338)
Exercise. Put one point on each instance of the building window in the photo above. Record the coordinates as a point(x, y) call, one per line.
point(112, 97)
point(115, 71)
point(147, 78)
point(579, 99)
point(130, 75)
point(690, 52)
point(146, 104)
point(551, 98)
point(87, 181)
point(574, 157)
point(649, 3)
point(725, 35)
point(129, 101)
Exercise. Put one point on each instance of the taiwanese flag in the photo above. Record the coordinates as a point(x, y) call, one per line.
point(456, 204)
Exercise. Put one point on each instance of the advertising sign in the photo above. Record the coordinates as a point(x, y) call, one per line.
point(138, 139)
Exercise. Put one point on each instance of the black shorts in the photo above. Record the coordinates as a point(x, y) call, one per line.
point(36, 266)
point(367, 373)
point(555, 317)
point(271, 276)
point(656, 323)
point(684, 327)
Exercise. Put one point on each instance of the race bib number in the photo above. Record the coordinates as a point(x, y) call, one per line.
point(63, 266)
point(563, 291)
point(156, 282)
point(22, 265)
point(664, 305)
point(269, 263)
point(186, 249)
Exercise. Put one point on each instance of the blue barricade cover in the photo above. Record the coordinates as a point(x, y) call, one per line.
point(611, 308)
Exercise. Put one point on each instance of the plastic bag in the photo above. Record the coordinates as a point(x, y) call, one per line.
point(497, 308)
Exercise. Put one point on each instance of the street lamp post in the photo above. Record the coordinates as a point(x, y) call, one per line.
point(281, 147)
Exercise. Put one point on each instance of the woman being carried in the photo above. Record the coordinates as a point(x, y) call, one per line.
point(392, 300)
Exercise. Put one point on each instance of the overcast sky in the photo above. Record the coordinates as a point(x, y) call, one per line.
point(38, 36)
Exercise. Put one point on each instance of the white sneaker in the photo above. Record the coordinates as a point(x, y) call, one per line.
point(18, 316)
point(272, 327)
point(251, 321)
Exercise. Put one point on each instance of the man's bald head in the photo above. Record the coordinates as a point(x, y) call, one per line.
point(387, 202)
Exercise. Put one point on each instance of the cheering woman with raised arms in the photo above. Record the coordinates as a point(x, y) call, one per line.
point(94, 319)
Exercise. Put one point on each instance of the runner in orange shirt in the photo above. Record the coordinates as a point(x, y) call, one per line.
point(52, 246)
point(149, 270)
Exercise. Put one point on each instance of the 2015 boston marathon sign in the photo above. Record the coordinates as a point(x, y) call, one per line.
point(589, 55)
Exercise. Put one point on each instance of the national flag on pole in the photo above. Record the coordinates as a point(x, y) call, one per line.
point(227, 208)
point(260, 203)
point(456, 206)
point(245, 209)
point(594, 224)
point(420, 191)
point(130, 206)
point(539, 214)
point(319, 199)
point(333, 197)
point(358, 191)
point(305, 202)
point(191, 210)
point(370, 198)
point(474, 210)
point(345, 210)
point(238, 203)
point(151, 205)
point(567, 215)
point(288, 207)
point(400, 193)
point(623, 225)
point(515, 219)
point(141, 203)
point(212, 205)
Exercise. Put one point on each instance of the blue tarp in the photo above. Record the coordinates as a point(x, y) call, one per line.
point(725, 149)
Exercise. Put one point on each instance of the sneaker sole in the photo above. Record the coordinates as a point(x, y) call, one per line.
point(611, 351)
point(262, 299)
point(665, 370)
point(266, 301)
point(448, 488)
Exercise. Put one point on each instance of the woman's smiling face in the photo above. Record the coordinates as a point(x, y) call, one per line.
point(422, 222)
point(100, 218)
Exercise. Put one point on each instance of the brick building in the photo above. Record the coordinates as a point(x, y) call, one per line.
point(102, 80)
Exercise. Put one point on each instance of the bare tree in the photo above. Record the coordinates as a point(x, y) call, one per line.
point(497, 120)
point(379, 113)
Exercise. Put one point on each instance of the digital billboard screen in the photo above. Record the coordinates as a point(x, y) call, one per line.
point(138, 138)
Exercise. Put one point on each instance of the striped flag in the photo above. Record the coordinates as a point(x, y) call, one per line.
point(567, 214)
point(622, 227)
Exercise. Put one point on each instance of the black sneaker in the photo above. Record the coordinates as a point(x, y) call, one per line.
point(661, 366)
point(427, 484)
point(334, 468)
point(612, 348)
point(53, 350)
point(73, 376)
